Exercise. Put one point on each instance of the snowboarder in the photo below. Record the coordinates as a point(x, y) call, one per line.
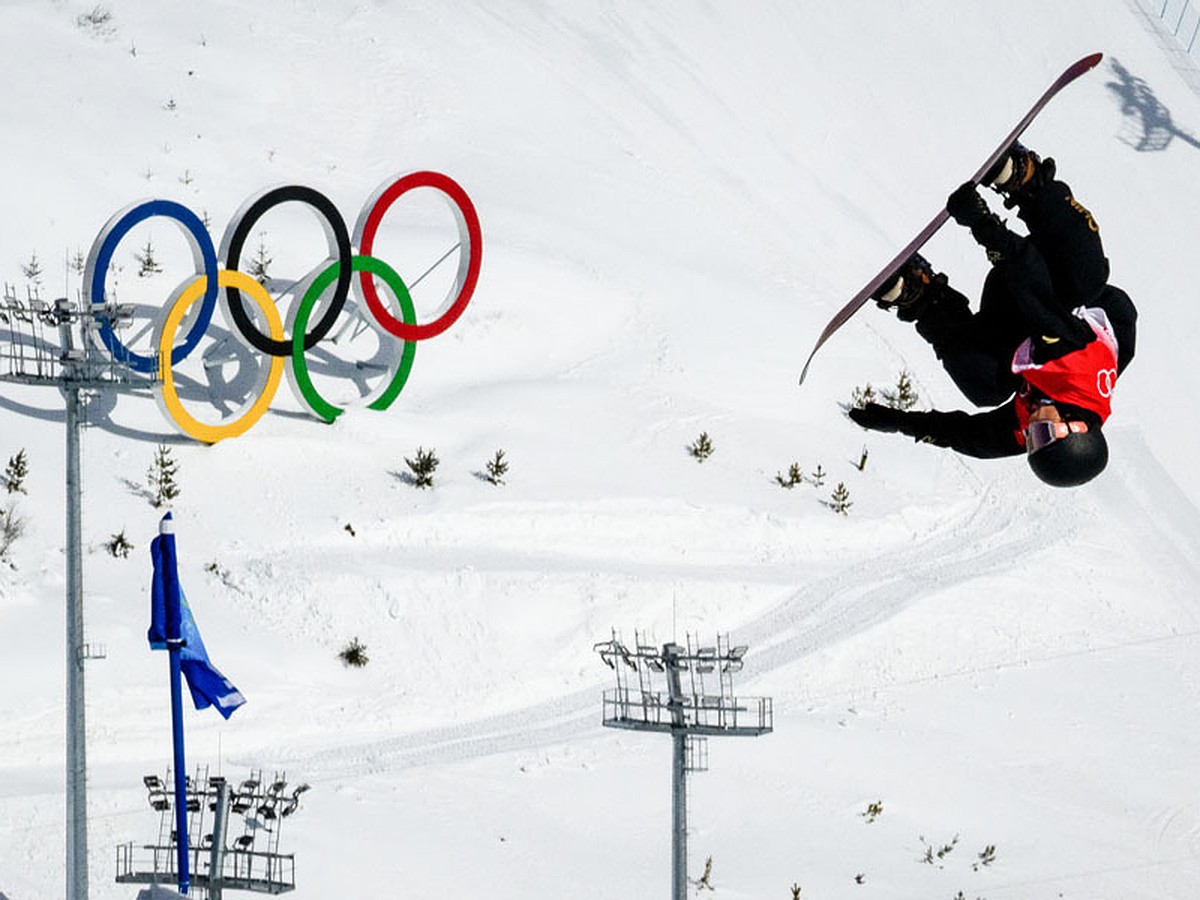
point(1047, 344)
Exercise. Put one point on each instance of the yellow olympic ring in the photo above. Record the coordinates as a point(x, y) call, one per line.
point(168, 396)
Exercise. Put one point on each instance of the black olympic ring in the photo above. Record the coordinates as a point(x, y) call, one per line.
point(231, 251)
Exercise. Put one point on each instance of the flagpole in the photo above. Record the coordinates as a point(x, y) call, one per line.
point(172, 628)
point(174, 647)
point(181, 830)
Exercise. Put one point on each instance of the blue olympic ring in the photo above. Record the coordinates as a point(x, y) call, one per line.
point(203, 252)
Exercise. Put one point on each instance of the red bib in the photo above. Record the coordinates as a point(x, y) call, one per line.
point(1084, 377)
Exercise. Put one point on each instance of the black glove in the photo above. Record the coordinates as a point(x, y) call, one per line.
point(965, 205)
point(879, 418)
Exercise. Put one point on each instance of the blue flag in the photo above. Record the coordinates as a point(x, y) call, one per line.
point(171, 617)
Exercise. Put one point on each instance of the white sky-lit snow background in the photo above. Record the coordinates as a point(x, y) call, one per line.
point(675, 197)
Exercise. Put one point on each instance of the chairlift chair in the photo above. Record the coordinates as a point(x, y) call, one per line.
point(241, 802)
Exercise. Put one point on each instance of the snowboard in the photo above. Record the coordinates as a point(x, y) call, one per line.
point(843, 315)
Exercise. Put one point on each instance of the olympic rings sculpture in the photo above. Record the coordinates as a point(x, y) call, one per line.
point(197, 300)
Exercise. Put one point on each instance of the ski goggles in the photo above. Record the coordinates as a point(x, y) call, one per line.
point(1039, 435)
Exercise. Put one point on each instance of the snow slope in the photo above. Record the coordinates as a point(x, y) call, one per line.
point(675, 197)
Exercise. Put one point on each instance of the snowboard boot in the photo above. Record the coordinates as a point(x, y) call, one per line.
point(910, 290)
point(968, 209)
point(1019, 173)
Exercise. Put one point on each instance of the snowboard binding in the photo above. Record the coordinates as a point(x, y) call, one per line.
point(1019, 173)
point(907, 289)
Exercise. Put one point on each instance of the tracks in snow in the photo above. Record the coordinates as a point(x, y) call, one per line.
point(825, 611)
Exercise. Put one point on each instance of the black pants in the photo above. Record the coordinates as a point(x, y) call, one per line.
point(1034, 284)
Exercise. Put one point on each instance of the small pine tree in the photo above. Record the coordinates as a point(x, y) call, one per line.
point(793, 477)
point(12, 527)
point(818, 476)
point(161, 477)
point(118, 545)
point(987, 856)
point(702, 448)
point(32, 270)
point(261, 263)
point(423, 467)
point(496, 467)
point(147, 264)
point(861, 396)
point(705, 880)
point(99, 21)
point(840, 501)
point(932, 855)
point(15, 472)
point(905, 396)
point(354, 654)
point(78, 262)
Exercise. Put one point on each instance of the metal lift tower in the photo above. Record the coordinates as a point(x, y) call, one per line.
point(686, 692)
point(53, 344)
point(233, 834)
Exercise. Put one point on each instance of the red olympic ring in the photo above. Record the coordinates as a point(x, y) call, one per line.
point(470, 256)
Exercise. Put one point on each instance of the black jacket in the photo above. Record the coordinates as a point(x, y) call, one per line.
point(1032, 289)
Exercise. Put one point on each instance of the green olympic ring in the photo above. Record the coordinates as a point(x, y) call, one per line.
point(369, 264)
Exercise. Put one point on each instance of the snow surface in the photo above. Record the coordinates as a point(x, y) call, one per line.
point(675, 197)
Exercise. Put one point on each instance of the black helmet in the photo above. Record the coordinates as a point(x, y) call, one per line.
point(1075, 459)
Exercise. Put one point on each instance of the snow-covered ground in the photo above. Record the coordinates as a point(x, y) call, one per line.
point(674, 197)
